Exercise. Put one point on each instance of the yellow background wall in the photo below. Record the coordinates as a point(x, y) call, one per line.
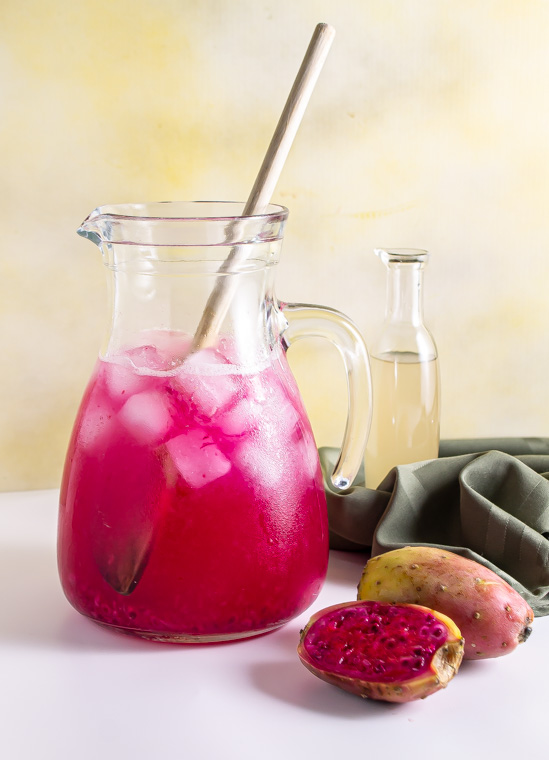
point(428, 128)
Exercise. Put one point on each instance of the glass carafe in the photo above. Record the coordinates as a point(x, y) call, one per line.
point(192, 506)
point(405, 373)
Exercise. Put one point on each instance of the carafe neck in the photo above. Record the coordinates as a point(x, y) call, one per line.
point(404, 302)
point(404, 293)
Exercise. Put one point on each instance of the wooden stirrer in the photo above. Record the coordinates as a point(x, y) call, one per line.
point(219, 301)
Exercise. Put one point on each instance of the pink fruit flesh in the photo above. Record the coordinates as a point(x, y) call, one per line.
point(390, 652)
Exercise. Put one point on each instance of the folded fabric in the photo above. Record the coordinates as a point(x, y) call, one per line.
point(489, 506)
point(516, 446)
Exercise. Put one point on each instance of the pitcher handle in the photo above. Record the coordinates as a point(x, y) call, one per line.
point(312, 321)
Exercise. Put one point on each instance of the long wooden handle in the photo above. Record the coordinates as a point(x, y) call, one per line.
point(269, 173)
point(290, 119)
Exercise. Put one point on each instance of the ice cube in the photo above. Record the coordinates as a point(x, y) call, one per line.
point(242, 417)
point(197, 458)
point(280, 412)
point(122, 380)
point(264, 461)
point(147, 358)
point(172, 346)
point(96, 426)
point(205, 361)
point(207, 380)
point(147, 416)
point(256, 386)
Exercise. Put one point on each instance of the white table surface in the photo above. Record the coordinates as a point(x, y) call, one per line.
point(71, 689)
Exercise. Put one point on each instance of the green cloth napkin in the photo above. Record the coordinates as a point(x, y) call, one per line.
point(487, 505)
point(515, 446)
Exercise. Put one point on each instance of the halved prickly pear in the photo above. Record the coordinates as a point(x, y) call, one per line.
point(491, 615)
point(389, 652)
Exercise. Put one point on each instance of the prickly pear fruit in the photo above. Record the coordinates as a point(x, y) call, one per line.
point(491, 615)
point(390, 652)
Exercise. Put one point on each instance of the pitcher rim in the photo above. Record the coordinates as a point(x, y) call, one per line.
point(273, 211)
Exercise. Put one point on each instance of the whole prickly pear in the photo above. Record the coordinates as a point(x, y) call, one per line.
point(389, 652)
point(491, 615)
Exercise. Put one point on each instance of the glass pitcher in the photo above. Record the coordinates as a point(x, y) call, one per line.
point(192, 506)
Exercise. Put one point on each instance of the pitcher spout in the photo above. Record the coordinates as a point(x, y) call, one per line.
point(91, 228)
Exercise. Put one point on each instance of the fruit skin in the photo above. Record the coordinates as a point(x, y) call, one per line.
point(492, 616)
point(444, 664)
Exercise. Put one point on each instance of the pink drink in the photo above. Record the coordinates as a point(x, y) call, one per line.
point(192, 505)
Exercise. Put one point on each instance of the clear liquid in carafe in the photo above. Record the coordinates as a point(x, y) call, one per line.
point(405, 423)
